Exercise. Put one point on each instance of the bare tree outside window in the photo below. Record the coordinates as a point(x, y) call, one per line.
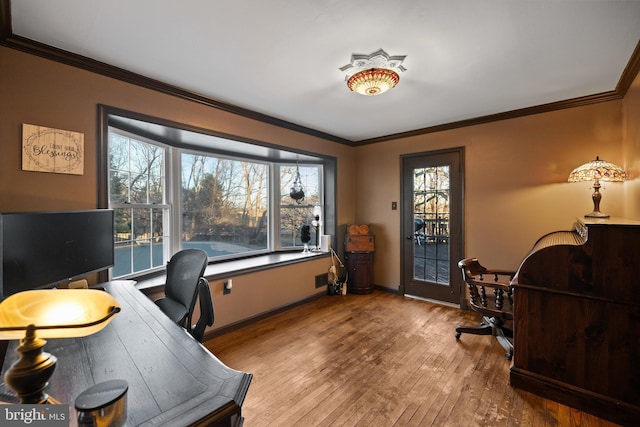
point(224, 205)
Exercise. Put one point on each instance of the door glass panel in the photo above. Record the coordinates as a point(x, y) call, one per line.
point(431, 195)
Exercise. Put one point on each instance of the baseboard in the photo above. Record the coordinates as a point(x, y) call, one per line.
point(597, 404)
point(388, 290)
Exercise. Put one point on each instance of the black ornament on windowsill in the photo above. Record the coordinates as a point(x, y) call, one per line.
point(297, 190)
point(305, 236)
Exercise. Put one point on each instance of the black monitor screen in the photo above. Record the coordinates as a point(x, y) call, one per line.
point(42, 249)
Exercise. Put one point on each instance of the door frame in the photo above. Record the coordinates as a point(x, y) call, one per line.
point(456, 229)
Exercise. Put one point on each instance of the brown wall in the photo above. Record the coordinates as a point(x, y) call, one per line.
point(41, 92)
point(516, 171)
point(516, 185)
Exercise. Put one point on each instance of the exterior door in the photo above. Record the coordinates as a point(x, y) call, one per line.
point(432, 220)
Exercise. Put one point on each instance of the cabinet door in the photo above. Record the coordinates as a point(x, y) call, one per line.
point(360, 267)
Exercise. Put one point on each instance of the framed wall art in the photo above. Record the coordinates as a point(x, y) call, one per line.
point(52, 150)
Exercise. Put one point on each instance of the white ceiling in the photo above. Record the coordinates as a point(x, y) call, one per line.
point(465, 58)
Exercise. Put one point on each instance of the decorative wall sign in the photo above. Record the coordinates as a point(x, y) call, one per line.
point(52, 150)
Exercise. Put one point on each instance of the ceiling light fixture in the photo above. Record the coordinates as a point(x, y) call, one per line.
point(373, 74)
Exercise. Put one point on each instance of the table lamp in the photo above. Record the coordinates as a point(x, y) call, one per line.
point(597, 170)
point(52, 313)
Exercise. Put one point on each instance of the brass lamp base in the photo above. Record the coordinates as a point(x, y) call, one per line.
point(29, 375)
point(596, 214)
point(596, 196)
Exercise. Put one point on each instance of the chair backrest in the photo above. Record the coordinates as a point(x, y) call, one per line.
point(184, 270)
point(478, 279)
point(206, 310)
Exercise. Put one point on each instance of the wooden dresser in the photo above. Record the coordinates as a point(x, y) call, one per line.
point(577, 319)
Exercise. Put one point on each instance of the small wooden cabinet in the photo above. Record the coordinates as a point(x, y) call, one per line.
point(360, 269)
point(359, 247)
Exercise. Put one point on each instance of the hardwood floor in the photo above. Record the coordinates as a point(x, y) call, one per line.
point(380, 360)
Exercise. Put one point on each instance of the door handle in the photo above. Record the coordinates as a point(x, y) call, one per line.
point(409, 237)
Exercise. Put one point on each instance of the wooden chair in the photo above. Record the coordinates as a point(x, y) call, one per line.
point(496, 309)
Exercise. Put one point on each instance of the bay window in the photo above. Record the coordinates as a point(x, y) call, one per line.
point(228, 197)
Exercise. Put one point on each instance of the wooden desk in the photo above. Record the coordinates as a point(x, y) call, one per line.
point(576, 319)
point(173, 380)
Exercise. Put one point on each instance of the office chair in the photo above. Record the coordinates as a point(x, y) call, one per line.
point(184, 271)
point(206, 310)
point(497, 309)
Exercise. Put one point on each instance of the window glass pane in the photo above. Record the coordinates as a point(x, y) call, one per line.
point(139, 185)
point(295, 211)
point(309, 181)
point(119, 186)
point(157, 237)
point(156, 189)
point(137, 177)
point(139, 153)
point(140, 237)
point(292, 219)
point(155, 171)
point(431, 218)
point(224, 205)
point(123, 243)
point(118, 152)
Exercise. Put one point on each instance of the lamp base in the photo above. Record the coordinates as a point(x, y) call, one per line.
point(29, 375)
point(596, 197)
point(596, 214)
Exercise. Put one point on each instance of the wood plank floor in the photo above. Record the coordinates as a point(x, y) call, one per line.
point(380, 360)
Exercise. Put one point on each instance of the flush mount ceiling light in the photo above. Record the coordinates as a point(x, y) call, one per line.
point(373, 74)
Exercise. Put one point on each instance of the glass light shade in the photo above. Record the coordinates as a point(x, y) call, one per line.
point(56, 313)
point(597, 169)
point(373, 81)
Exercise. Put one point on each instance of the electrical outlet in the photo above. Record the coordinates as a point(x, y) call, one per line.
point(226, 288)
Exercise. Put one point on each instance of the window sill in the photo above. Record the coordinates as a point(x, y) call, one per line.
point(223, 270)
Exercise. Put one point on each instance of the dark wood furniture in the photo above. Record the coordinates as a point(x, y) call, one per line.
point(490, 295)
point(173, 380)
point(360, 270)
point(359, 245)
point(577, 319)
